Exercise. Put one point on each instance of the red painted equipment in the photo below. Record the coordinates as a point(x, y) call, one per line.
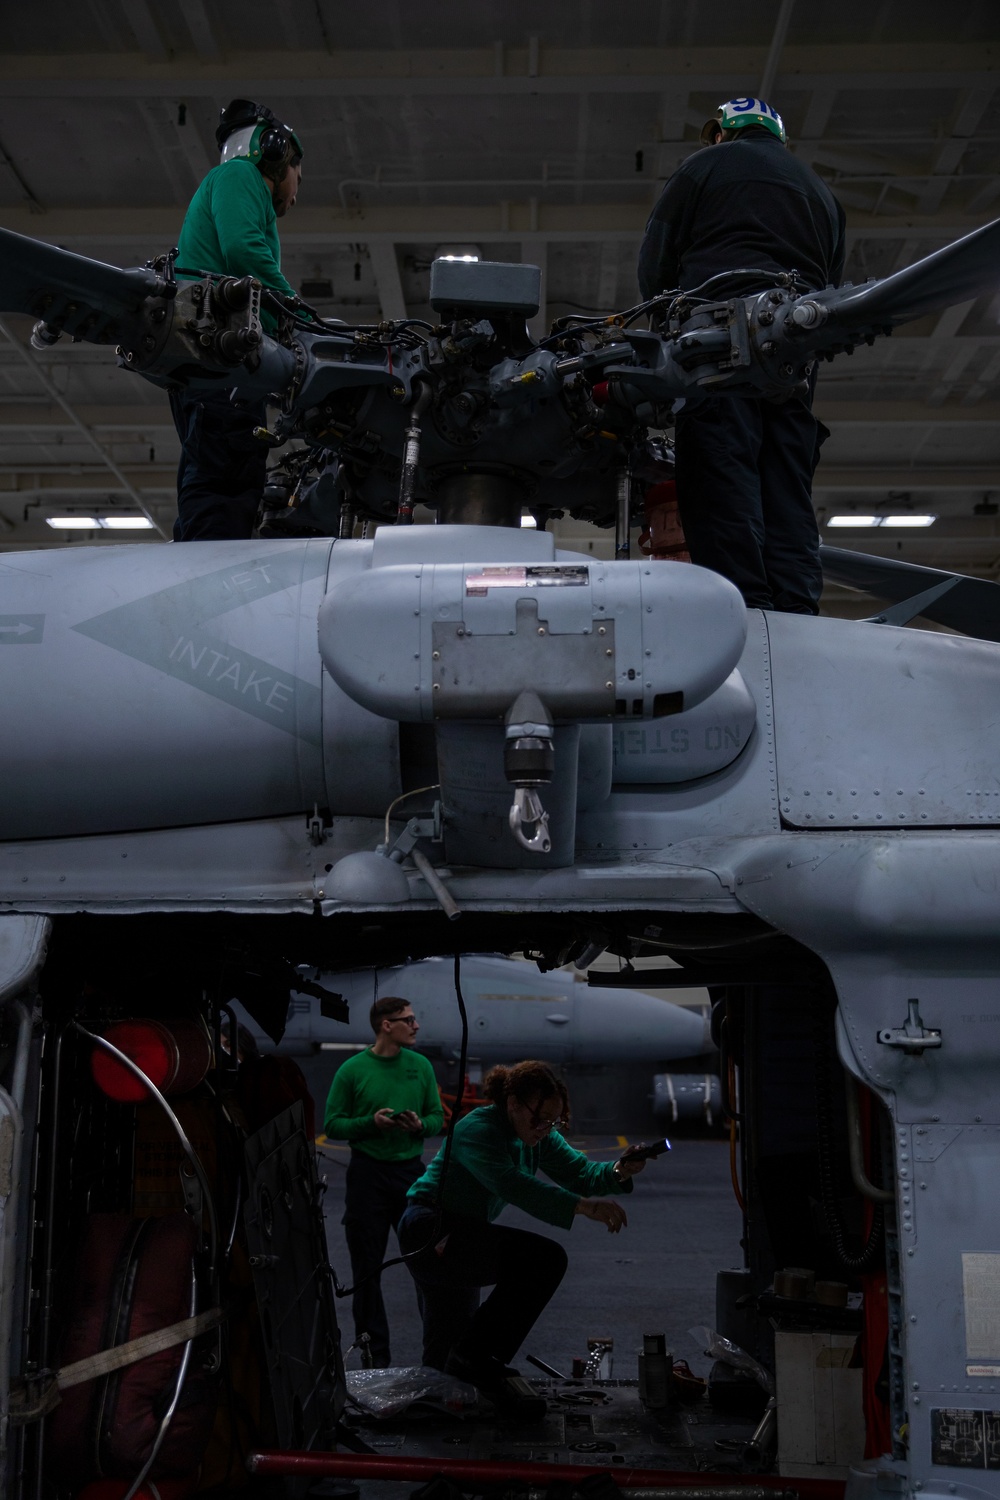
point(475, 1472)
point(664, 535)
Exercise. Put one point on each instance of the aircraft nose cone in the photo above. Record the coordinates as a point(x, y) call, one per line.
point(620, 1025)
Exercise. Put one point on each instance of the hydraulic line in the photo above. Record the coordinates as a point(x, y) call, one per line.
point(623, 514)
point(737, 1190)
point(168, 1415)
point(185, 1144)
point(727, 1071)
point(861, 1181)
point(411, 456)
point(855, 1264)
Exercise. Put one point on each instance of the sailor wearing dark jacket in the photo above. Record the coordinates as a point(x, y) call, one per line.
point(745, 465)
point(448, 1227)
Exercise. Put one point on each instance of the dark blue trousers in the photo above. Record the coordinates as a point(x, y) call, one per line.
point(457, 1257)
point(744, 489)
point(374, 1200)
point(222, 469)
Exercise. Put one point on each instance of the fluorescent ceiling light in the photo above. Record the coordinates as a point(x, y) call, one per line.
point(907, 519)
point(99, 523)
point(458, 252)
point(527, 521)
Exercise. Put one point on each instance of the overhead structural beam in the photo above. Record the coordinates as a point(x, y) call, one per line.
point(951, 377)
point(39, 417)
point(167, 152)
point(198, 24)
point(430, 223)
point(952, 318)
point(140, 17)
point(28, 358)
point(473, 71)
point(971, 109)
point(903, 477)
point(388, 282)
point(770, 72)
point(8, 164)
point(985, 382)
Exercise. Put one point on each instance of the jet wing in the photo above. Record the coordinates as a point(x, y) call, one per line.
point(86, 298)
point(971, 605)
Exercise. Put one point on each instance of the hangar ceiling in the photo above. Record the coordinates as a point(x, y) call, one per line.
point(539, 131)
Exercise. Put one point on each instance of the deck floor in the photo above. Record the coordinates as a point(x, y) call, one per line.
point(656, 1276)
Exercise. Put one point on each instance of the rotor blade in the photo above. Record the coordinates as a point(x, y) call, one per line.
point(85, 297)
point(971, 606)
point(967, 268)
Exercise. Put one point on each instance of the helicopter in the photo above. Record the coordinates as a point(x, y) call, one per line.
point(227, 762)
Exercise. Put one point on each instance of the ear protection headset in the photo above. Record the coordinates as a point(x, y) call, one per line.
point(265, 138)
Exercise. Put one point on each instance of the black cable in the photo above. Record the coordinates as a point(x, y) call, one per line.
point(742, 273)
point(463, 1058)
point(293, 308)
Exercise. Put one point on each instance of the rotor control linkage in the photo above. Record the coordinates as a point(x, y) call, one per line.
point(528, 761)
point(411, 455)
point(406, 845)
point(623, 514)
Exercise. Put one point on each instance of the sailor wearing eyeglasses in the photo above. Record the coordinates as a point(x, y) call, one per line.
point(382, 1102)
point(456, 1248)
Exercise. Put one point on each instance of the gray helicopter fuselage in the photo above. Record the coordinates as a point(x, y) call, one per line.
point(174, 720)
point(276, 753)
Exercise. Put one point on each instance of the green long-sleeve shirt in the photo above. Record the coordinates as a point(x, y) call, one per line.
point(231, 227)
point(366, 1083)
point(490, 1166)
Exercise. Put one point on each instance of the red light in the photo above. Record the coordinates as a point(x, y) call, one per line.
point(174, 1057)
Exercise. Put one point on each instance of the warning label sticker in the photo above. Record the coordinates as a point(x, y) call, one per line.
point(991, 1372)
point(531, 576)
point(981, 1288)
point(965, 1439)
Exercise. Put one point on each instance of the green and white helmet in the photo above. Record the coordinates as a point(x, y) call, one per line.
point(736, 114)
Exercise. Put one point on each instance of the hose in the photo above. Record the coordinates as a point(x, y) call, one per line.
point(855, 1264)
point(185, 1144)
point(411, 456)
point(732, 1168)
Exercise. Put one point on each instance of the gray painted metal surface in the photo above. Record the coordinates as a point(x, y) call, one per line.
point(897, 914)
point(689, 745)
point(514, 1012)
point(892, 727)
point(170, 729)
point(424, 642)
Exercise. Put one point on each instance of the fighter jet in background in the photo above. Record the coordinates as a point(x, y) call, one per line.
point(514, 1012)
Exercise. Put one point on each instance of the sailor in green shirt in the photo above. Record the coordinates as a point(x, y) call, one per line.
point(456, 1248)
point(383, 1102)
point(231, 227)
